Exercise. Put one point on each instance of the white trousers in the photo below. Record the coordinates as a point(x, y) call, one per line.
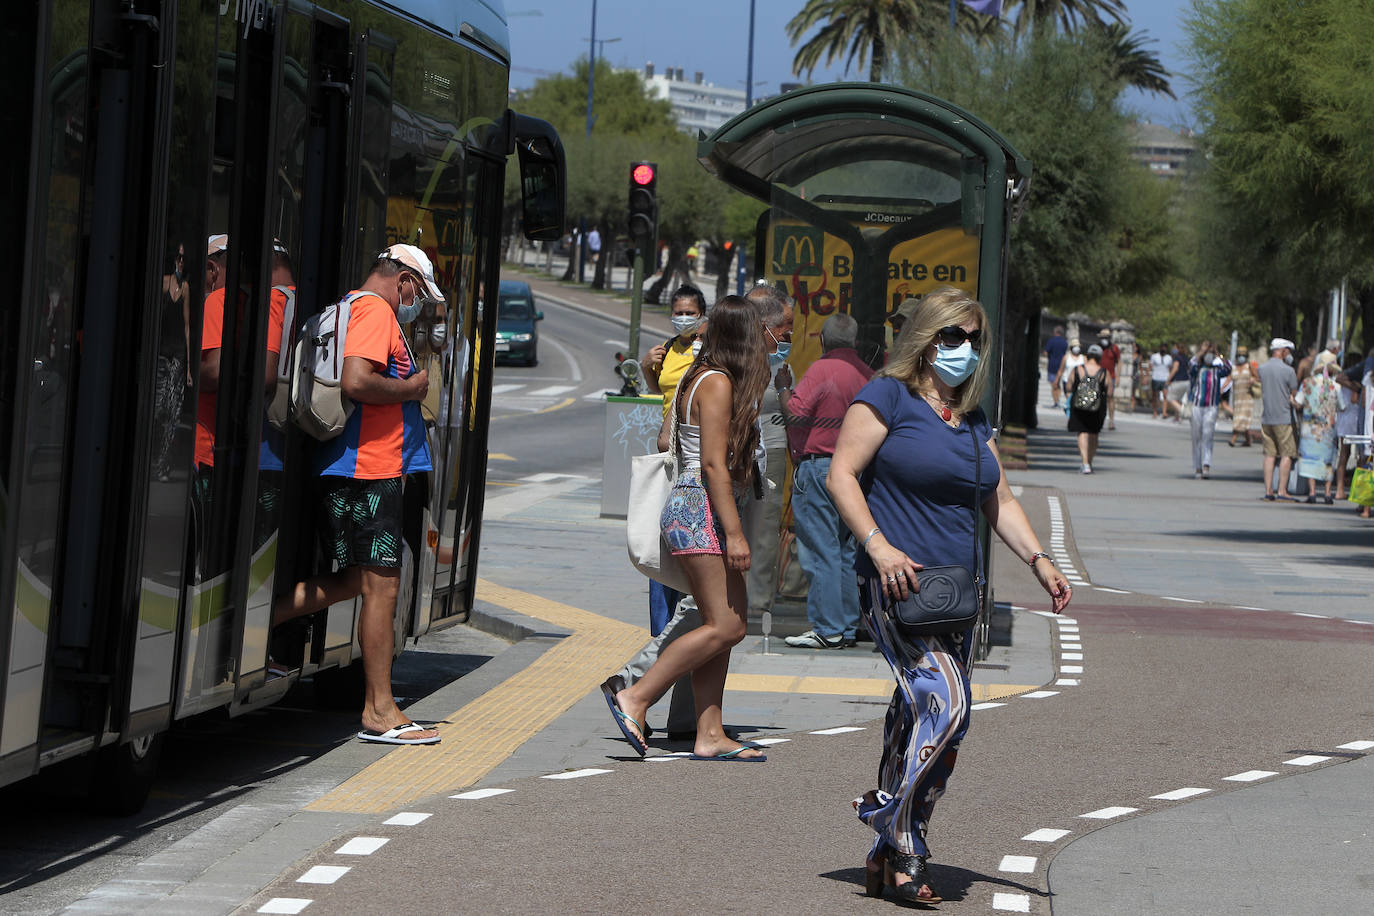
point(1204, 429)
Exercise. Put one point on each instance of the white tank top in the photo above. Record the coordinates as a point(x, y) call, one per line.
point(689, 436)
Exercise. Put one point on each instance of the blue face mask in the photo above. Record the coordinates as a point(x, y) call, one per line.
point(955, 364)
point(779, 356)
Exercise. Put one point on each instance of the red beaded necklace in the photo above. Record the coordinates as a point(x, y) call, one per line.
point(941, 408)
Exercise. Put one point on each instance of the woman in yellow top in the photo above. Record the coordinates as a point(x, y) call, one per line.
point(665, 363)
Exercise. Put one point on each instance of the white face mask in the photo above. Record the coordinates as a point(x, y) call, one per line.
point(686, 324)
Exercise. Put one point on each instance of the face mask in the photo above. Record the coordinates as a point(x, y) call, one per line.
point(696, 348)
point(686, 324)
point(1075, 350)
point(409, 311)
point(1105, 343)
point(1288, 359)
point(1208, 359)
point(438, 336)
point(955, 364)
point(778, 357)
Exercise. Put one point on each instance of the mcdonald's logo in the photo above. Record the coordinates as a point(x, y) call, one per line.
point(798, 250)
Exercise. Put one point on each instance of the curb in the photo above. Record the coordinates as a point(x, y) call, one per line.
point(509, 625)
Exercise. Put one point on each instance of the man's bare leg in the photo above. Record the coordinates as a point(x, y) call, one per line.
point(316, 594)
point(377, 636)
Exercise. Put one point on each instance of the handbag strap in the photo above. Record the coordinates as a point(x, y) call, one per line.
point(977, 490)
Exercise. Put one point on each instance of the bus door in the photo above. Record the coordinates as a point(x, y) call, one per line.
point(79, 387)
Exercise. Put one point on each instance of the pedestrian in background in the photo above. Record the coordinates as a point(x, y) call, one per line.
point(1161, 370)
point(1278, 384)
point(1318, 397)
point(1348, 417)
point(1244, 389)
point(1072, 360)
point(1206, 372)
point(1087, 405)
point(1111, 355)
point(912, 450)
point(1055, 348)
point(1178, 381)
point(716, 405)
point(825, 547)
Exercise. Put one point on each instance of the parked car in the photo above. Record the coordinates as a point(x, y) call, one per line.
point(517, 328)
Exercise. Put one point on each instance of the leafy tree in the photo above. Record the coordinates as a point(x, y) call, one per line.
point(1133, 64)
point(1282, 95)
point(1039, 16)
point(875, 30)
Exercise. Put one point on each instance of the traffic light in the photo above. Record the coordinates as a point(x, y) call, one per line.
point(644, 208)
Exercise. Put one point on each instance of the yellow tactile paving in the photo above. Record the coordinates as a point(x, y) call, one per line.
point(849, 686)
point(486, 731)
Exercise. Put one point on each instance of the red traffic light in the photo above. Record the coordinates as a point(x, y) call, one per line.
point(643, 173)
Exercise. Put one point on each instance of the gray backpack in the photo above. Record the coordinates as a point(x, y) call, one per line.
point(318, 404)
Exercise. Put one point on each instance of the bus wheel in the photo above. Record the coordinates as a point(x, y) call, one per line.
point(124, 774)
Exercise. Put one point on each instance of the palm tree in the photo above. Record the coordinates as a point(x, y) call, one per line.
point(1069, 14)
point(875, 29)
point(1134, 65)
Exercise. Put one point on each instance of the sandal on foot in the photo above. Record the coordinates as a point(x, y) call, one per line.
point(624, 720)
point(915, 867)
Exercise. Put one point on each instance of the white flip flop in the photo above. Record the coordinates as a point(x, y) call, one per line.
point(394, 735)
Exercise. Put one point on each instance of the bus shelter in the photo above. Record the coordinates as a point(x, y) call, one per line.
point(876, 194)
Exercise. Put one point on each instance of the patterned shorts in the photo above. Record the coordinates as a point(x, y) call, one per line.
point(688, 522)
point(362, 521)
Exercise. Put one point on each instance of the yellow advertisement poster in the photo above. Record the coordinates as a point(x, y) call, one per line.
point(817, 269)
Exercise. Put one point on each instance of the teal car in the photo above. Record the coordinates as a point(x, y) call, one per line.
point(517, 324)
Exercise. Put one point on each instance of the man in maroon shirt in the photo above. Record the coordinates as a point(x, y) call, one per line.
point(825, 546)
point(1111, 355)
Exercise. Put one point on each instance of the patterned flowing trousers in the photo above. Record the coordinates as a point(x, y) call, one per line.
point(926, 721)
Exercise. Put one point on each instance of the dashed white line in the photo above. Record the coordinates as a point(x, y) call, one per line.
point(1357, 746)
point(577, 774)
point(286, 905)
point(769, 742)
point(1071, 669)
point(1039, 694)
point(1072, 656)
point(551, 390)
point(1020, 865)
point(986, 705)
point(1246, 607)
point(1106, 814)
point(1111, 591)
point(1306, 760)
point(480, 793)
point(660, 758)
point(1315, 616)
point(324, 874)
point(839, 731)
point(1180, 794)
point(362, 846)
point(1073, 646)
point(407, 819)
point(503, 389)
point(1184, 600)
point(1011, 903)
point(1251, 776)
point(1046, 835)
point(1066, 682)
point(1067, 621)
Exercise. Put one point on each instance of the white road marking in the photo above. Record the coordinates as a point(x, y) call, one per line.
point(577, 774)
point(1106, 814)
point(502, 389)
point(1184, 600)
point(1357, 746)
point(1306, 760)
point(986, 705)
point(1021, 865)
point(1251, 776)
point(614, 343)
point(839, 731)
point(362, 846)
point(1246, 607)
point(1046, 835)
point(1112, 591)
point(1317, 616)
point(1070, 669)
point(1180, 794)
point(676, 755)
point(480, 793)
point(284, 905)
point(574, 371)
point(1066, 682)
point(551, 391)
point(324, 874)
point(1017, 490)
point(1067, 621)
point(1076, 646)
point(1039, 694)
point(1011, 903)
point(769, 742)
point(407, 819)
point(1071, 656)
point(548, 477)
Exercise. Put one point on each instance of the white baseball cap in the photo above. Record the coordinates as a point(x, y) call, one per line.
point(216, 244)
point(418, 262)
point(1281, 343)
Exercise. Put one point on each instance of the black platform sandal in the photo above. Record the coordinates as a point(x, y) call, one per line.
point(915, 867)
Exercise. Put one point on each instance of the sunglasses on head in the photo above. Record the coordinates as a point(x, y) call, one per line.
point(954, 336)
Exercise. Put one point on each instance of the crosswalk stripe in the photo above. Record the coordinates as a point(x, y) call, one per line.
point(552, 390)
point(502, 389)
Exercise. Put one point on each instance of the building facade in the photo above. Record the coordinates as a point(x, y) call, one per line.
point(697, 104)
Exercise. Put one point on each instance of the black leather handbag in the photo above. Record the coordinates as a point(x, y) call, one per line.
point(948, 598)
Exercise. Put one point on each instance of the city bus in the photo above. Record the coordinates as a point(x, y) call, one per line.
point(152, 504)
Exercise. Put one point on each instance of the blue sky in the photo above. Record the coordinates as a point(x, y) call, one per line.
point(712, 36)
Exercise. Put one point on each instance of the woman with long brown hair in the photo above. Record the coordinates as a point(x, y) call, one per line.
point(716, 406)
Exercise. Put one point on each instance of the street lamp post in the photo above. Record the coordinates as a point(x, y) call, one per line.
point(749, 68)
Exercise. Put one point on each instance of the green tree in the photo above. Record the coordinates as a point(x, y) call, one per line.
point(872, 30)
point(1282, 95)
point(1133, 64)
point(1039, 16)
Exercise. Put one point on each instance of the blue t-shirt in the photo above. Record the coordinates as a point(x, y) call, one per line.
point(919, 485)
point(1056, 348)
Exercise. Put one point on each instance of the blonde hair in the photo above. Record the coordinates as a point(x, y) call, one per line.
point(941, 308)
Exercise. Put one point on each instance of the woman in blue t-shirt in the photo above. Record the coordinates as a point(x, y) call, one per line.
point(903, 478)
